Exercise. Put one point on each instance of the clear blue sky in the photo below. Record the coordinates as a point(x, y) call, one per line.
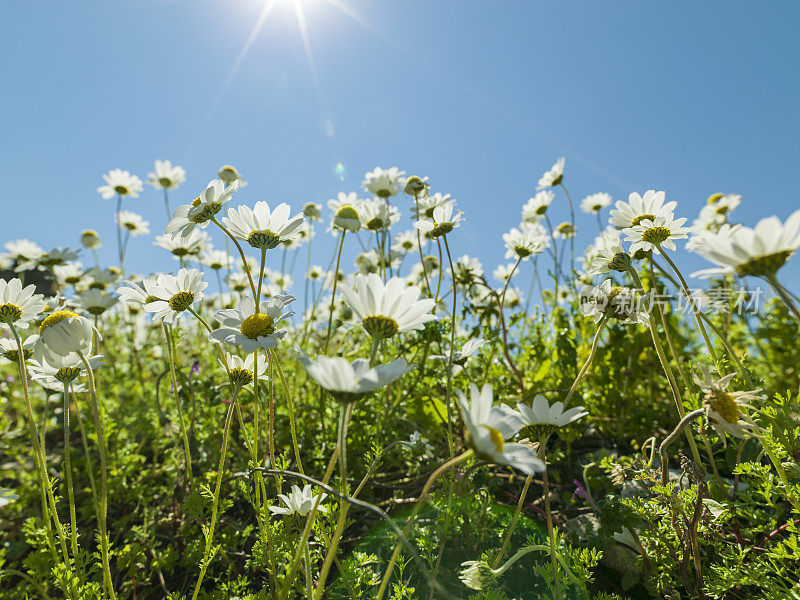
point(482, 96)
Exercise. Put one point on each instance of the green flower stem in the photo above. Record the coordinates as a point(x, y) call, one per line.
point(120, 251)
point(514, 520)
point(101, 443)
point(45, 486)
point(423, 495)
point(449, 392)
point(551, 533)
point(209, 533)
point(506, 353)
point(290, 407)
point(541, 548)
point(662, 357)
point(87, 455)
point(572, 222)
point(684, 422)
point(582, 373)
point(784, 295)
point(166, 205)
point(776, 462)
point(73, 521)
point(690, 298)
point(333, 293)
point(261, 279)
point(170, 353)
point(345, 413)
point(419, 247)
point(245, 266)
point(439, 275)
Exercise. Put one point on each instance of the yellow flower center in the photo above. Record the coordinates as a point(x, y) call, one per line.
point(57, 317)
point(381, 327)
point(641, 218)
point(181, 301)
point(714, 197)
point(725, 405)
point(347, 211)
point(205, 214)
point(10, 313)
point(258, 325)
point(496, 437)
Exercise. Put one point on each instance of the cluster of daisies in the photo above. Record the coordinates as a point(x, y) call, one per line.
point(402, 281)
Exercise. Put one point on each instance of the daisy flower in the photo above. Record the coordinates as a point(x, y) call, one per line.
point(202, 209)
point(120, 183)
point(594, 203)
point(70, 273)
point(759, 251)
point(312, 211)
point(52, 371)
point(724, 408)
point(416, 186)
point(387, 309)
point(165, 176)
point(537, 206)
point(18, 305)
point(552, 177)
point(530, 238)
point(134, 293)
point(299, 502)
point(10, 351)
point(216, 259)
point(620, 303)
point(609, 255)
point(262, 228)
point(48, 260)
point(408, 241)
point(477, 574)
point(229, 175)
point(542, 418)
point(441, 223)
point(461, 357)
point(251, 330)
point(652, 234)
point(23, 249)
point(238, 282)
point(384, 183)
point(429, 203)
point(564, 231)
point(503, 273)
point(100, 279)
point(346, 215)
point(242, 370)
point(315, 273)
point(133, 223)
point(348, 382)
point(64, 332)
point(91, 239)
point(95, 302)
point(174, 294)
point(638, 208)
point(467, 270)
point(489, 426)
point(377, 214)
point(183, 246)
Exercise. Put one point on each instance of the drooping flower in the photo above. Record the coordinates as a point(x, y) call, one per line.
point(121, 183)
point(384, 183)
point(261, 228)
point(346, 215)
point(638, 208)
point(490, 426)
point(387, 309)
point(174, 294)
point(552, 177)
point(229, 175)
point(10, 351)
point(476, 574)
point(299, 502)
point(202, 209)
point(64, 332)
point(18, 305)
point(594, 203)
point(346, 381)
point(251, 330)
point(166, 176)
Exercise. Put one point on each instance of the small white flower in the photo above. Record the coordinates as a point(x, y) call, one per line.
point(120, 183)
point(377, 214)
point(537, 206)
point(94, 301)
point(251, 330)
point(312, 211)
point(552, 177)
point(216, 259)
point(408, 241)
point(418, 445)
point(139, 294)
point(18, 305)
point(467, 270)
point(175, 294)
point(489, 426)
point(202, 209)
point(504, 272)
point(299, 502)
point(723, 408)
point(182, 246)
point(390, 308)
point(384, 183)
point(346, 215)
point(649, 234)
point(461, 357)
point(530, 238)
point(70, 273)
point(48, 260)
point(441, 223)
point(100, 279)
point(261, 228)
point(9, 350)
point(348, 381)
point(229, 175)
point(541, 416)
point(594, 203)
point(7, 497)
point(429, 203)
point(242, 370)
point(165, 176)
point(64, 332)
point(23, 250)
point(476, 574)
point(132, 222)
point(620, 303)
point(53, 371)
point(610, 255)
point(638, 208)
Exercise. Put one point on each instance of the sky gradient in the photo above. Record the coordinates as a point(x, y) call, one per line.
point(689, 97)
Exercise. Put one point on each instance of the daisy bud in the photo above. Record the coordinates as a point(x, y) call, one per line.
point(90, 239)
point(415, 186)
